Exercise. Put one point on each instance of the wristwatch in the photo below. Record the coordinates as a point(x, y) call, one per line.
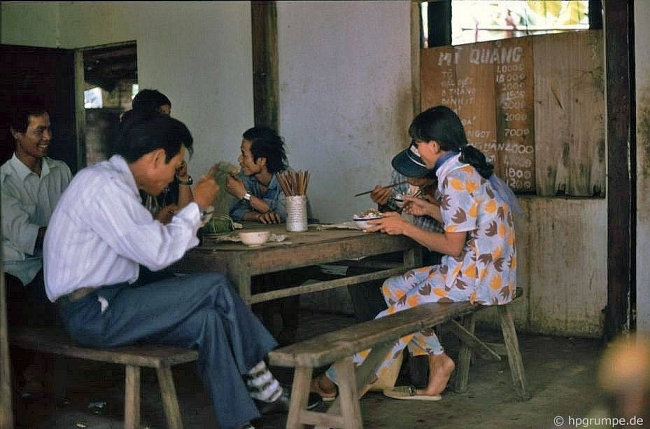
point(247, 197)
point(187, 182)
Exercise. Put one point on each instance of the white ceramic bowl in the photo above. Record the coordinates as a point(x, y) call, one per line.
point(362, 223)
point(254, 238)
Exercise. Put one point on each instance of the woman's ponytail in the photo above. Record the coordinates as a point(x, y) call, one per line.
point(477, 159)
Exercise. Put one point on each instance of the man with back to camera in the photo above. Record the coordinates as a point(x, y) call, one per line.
point(101, 232)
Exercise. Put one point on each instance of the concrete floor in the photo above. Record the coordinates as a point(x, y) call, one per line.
point(560, 375)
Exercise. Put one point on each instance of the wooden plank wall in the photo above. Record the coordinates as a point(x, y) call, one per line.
point(570, 114)
point(534, 104)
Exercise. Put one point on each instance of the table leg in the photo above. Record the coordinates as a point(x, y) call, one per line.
point(413, 257)
point(242, 282)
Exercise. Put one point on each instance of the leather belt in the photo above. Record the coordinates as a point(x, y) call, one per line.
point(74, 295)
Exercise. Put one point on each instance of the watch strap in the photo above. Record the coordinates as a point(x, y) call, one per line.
point(187, 182)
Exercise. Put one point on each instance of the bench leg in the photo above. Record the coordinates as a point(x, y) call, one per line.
point(348, 393)
point(512, 348)
point(170, 400)
point(299, 396)
point(364, 375)
point(132, 397)
point(345, 411)
point(464, 357)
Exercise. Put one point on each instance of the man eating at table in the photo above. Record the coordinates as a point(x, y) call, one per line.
point(99, 234)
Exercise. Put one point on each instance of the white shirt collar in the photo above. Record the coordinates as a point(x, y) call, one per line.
point(23, 171)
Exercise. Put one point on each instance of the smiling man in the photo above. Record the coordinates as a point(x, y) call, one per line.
point(31, 185)
point(260, 197)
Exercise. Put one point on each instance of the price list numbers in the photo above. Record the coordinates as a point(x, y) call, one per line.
point(515, 125)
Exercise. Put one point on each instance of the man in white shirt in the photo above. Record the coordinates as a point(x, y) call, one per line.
point(30, 187)
point(99, 235)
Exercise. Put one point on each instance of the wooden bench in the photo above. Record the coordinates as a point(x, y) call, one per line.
point(338, 347)
point(56, 341)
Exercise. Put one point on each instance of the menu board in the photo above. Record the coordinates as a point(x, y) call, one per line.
point(490, 85)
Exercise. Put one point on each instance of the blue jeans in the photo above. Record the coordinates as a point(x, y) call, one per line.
point(196, 311)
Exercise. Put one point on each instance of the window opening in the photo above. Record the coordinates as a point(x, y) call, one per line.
point(480, 21)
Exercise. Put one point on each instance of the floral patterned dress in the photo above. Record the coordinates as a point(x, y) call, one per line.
point(485, 271)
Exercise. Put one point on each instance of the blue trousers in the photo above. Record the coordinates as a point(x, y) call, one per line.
point(196, 311)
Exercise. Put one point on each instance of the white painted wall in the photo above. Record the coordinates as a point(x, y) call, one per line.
point(642, 67)
point(345, 96)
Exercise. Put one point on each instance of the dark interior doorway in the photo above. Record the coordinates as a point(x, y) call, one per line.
point(48, 73)
point(110, 82)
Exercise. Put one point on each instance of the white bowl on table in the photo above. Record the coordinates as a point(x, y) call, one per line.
point(362, 222)
point(254, 238)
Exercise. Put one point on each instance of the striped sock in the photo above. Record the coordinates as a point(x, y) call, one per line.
point(262, 385)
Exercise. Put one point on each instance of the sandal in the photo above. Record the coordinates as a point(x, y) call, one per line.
point(327, 395)
point(409, 393)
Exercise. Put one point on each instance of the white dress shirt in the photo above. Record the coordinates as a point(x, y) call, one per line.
point(28, 201)
point(100, 232)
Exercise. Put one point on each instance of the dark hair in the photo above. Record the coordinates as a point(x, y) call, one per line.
point(150, 100)
point(143, 132)
point(22, 107)
point(441, 124)
point(266, 143)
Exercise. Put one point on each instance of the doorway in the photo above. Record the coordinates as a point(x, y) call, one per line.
point(110, 82)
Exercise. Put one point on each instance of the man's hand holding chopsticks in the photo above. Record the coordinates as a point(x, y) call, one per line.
point(381, 195)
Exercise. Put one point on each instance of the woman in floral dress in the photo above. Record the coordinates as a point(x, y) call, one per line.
point(478, 243)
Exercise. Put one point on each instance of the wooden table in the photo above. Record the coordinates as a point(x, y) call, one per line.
point(300, 249)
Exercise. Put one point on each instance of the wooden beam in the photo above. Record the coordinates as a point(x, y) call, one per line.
point(621, 162)
point(6, 410)
point(265, 63)
point(416, 45)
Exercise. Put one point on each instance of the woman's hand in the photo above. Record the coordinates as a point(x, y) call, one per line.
point(419, 207)
point(392, 224)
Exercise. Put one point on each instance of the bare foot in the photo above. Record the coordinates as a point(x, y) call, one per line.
point(440, 368)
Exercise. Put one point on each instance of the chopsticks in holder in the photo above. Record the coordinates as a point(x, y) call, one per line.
point(385, 187)
point(294, 182)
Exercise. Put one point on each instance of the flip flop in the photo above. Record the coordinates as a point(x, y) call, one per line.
point(409, 393)
point(328, 396)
